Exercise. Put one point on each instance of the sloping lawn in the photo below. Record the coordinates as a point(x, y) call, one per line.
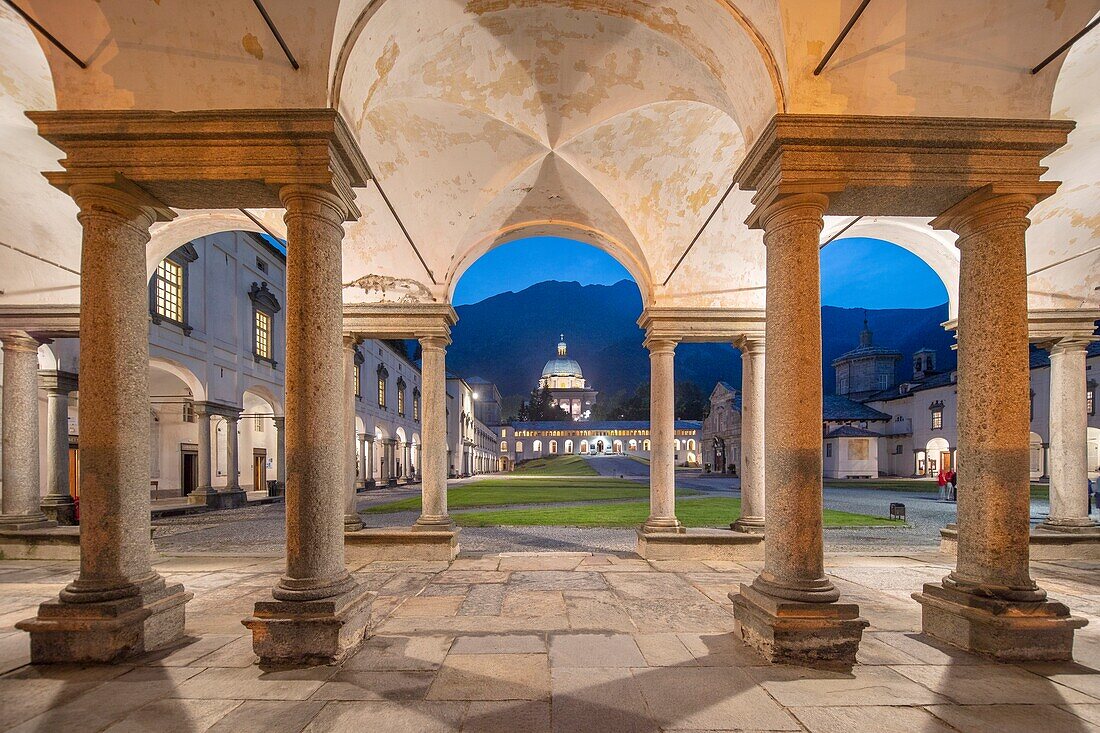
point(556, 466)
point(710, 512)
point(503, 492)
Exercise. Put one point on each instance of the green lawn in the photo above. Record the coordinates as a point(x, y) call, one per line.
point(919, 486)
point(503, 492)
point(710, 512)
point(556, 466)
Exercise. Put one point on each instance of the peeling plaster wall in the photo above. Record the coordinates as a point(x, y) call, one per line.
point(34, 217)
point(928, 57)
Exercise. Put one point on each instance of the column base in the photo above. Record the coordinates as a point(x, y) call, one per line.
point(1083, 525)
point(663, 525)
point(360, 485)
point(219, 498)
point(1043, 544)
point(352, 523)
point(749, 525)
point(391, 481)
point(370, 484)
point(1008, 631)
point(398, 543)
point(34, 520)
point(48, 543)
point(60, 509)
point(434, 524)
point(700, 544)
point(789, 632)
point(107, 631)
point(324, 631)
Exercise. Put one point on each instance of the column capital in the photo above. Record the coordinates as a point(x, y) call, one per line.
point(20, 342)
point(993, 206)
point(314, 202)
point(790, 209)
point(659, 345)
point(207, 408)
point(750, 345)
point(1068, 344)
point(351, 341)
point(280, 422)
point(122, 199)
point(439, 343)
point(57, 381)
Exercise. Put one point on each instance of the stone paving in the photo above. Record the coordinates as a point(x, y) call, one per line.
point(551, 641)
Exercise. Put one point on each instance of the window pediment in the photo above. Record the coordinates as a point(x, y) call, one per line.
point(263, 298)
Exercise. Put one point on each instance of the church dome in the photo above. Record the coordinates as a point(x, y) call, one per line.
point(562, 366)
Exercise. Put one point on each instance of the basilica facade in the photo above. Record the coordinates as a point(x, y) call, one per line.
point(569, 390)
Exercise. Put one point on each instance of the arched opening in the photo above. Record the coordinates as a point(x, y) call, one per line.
point(937, 457)
point(1037, 455)
point(553, 447)
point(569, 447)
point(1093, 451)
point(258, 440)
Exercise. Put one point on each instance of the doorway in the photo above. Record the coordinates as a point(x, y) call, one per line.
point(259, 469)
point(189, 468)
point(74, 471)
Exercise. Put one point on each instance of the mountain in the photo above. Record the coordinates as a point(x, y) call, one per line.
point(509, 337)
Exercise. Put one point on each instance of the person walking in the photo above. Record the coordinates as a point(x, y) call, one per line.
point(941, 479)
point(950, 485)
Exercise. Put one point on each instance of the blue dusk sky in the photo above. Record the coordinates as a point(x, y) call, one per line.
point(855, 273)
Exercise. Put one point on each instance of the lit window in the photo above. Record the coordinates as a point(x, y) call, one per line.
point(937, 419)
point(383, 375)
point(263, 334)
point(416, 405)
point(169, 291)
point(358, 380)
point(519, 447)
point(1090, 402)
point(401, 397)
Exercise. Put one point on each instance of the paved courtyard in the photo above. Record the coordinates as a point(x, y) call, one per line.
point(551, 641)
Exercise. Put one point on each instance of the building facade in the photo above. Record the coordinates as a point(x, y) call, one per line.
point(471, 444)
point(568, 387)
point(721, 437)
point(524, 441)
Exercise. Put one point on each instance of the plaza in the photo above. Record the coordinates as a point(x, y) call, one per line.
point(712, 147)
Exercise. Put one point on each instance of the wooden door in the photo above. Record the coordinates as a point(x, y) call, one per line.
point(189, 471)
point(74, 471)
point(945, 460)
point(259, 470)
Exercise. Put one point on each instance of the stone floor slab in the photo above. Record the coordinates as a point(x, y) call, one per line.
point(1010, 719)
point(508, 716)
point(594, 650)
point(401, 653)
point(254, 683)
point(607, 699)
point(991, 684)
point(664, 650)
point(803, 687)
point(492, 677)
point(500, 644)
point(351, 684)
point(398, 717)
point(533, 604)
point(268, 716)
point(429, 607)
point(175, 716)
point(694, 698)
point(871, 719)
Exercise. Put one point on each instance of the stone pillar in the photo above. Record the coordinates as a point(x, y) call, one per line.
point(433, 486)
point(280, 455)
point(232, 459)
point(408, 461)
point(352, 521)
point(319, 612)
point(1069, 500)
point(203, 461)
point(389, 455)
point(21, 493)
point(118, 605)
point(989, 603)
point(364, 462)
point(58, 503)
point(662, 429)
point(752, 436)
point(369, 459)
point(789, 613)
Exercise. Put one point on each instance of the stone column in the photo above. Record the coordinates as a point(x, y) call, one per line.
point(280, 454)
point(433, 485)
point(384, 462)
point(204, 462)
point(408, 461)
point(118, 605)
point(662, 429)
point(58, 503)
point(1069, 500)
point(319, 612)
point(752, 436)
point(352, 520)
point(364, 462)
point(989, 603)
point(235, 496)
point(21, 498)
point(369, 459)
point(789, 613)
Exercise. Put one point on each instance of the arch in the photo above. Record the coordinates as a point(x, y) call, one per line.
point(934, 247)
point(1037, 454)
point(504, 446)
point(633, 445)
point(647, 446)
point(360, 427)
point(691, 444)
point(181, 372)
point(617, 447)
point(380, 433)
point(1092, 451)
point(400, 435)
point(676, 443)
point(569, 447)
point(267, 394)
point(936, 452)
point(166, 237)
point(536, 447)
point(584, 447)
point(553, 449)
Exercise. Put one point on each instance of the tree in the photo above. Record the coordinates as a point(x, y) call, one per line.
point(541, 406)
point(691, 403)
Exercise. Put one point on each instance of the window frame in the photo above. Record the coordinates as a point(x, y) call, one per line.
point(265, 304)
point(401, 396)
point(383, 379)
point(180, 258)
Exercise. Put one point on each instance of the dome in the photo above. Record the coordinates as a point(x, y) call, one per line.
point(562, 368)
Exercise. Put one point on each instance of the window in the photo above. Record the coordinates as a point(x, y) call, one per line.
point(259, 424)
point(189, 412)
point(1090, 401)
point(416, 404)
point(503, 446)
point(383, 375)
point(263, 335)
point(937, 419)
point(828, 450)
point(401, 397)
point(264, 307)
point(519, 446)
point(358, 380)
point(897, 449)
point(553, 446)
point(261, 265)
point(537, 446)
point(169, 291)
